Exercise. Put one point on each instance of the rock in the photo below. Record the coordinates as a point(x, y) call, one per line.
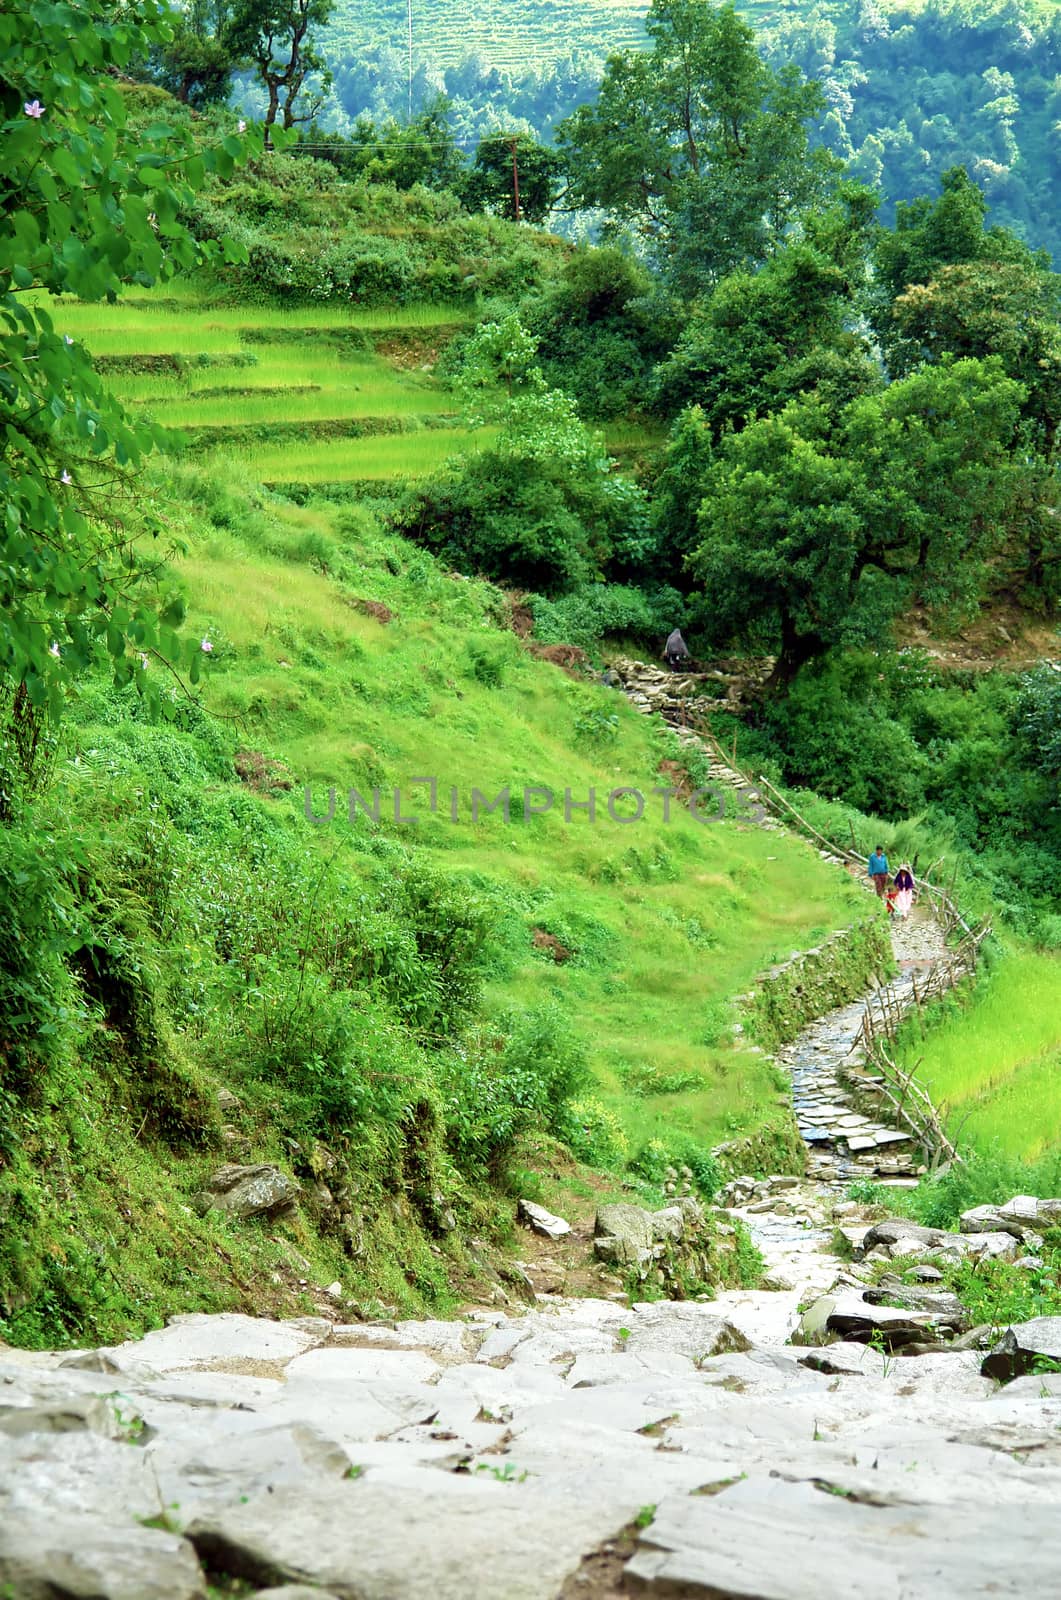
point(892, 1229)
point(1028, 1212)
point(989, 1219)
point(246, 1192)
point(860, 1320)
point(946, 1309)
point(546, 1276)
point(668, 1224)
point(925, 1274)
point(83, 1412)
point(57, 1557)
point(1029, 1263)
point(622, 1234)
point(998, 1246)
point(541, 1221)
point(294, 1591)
point(772, 1539)
point(417, 1533)
point(813, 1323)
point(334, 1291)
point(1022, 1347)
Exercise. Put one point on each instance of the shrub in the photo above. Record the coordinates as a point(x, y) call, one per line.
point(503, 1084)
point(593, 1133)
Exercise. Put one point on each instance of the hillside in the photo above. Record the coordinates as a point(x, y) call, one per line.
point(253, 955)
point(910, 88)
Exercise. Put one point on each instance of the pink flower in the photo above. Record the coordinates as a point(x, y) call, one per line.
point(67, 339)
point(241, 126)
point(34, 109)
point(66, 478)
point(207, 646)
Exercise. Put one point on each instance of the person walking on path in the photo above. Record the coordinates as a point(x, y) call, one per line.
point(878, 871)
point(676, 652)
point(904, 890)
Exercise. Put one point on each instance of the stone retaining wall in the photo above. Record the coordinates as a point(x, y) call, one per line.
point(799, 991)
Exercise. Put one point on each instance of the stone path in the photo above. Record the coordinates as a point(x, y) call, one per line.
point(582, 1448)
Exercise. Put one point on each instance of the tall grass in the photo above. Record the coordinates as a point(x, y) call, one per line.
point(991, 1059)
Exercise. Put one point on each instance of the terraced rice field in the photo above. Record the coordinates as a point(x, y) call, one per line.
point(313, 395)
point(308, 395)
point(512, 36)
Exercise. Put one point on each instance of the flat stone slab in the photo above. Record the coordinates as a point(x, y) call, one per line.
point(419, 1534)
point(767, 1539)
point(86, 1558)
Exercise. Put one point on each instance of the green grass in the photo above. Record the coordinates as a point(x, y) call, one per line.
point(229, 379)
point(992, 1059)
point(385, 457)
point(664, 921)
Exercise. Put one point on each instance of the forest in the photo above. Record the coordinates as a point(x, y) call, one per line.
point(319, 455)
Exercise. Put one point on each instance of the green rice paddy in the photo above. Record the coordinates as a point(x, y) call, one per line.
point(991, 1060)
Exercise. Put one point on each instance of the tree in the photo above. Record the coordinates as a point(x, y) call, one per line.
point(510, 171)
point(423, 151)
point(87, 207)
point(277, 38)
point(763, 337)
point(196, 64)
point(541, 507)
point(826, 526)
point(698, 144)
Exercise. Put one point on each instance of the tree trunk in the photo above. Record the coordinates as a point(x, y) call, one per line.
point(796, 650)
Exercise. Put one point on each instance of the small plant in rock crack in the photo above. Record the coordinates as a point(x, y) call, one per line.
point(645, 1516)
point(506, 1474)
point(130, 1424)
point(622, 1335)
point(876, 1340)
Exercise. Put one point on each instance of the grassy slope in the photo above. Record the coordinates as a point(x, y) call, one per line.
point(666, 922)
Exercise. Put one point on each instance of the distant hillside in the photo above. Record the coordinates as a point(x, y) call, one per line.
point(911, 88)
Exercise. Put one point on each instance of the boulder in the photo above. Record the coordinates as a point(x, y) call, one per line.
point(246, 1192)
point(989, 1219)
point(541, 1221)
point(622, 1234)
point(1024, 1347)
point(1028, 1212)
point(85, 1558)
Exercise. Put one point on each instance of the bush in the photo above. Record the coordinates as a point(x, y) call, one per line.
point(597, 611)
point(40, 924)
point(593, 1133)
point(502, 1085)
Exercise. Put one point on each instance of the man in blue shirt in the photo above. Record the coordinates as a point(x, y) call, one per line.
point(878, 870)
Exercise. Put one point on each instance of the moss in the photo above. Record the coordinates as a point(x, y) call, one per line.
point(841, 969)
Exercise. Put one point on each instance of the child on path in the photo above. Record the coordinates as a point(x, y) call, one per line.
point(904, 890)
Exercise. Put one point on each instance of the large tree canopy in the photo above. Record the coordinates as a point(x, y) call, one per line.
point(823, 527)
point(699, 144)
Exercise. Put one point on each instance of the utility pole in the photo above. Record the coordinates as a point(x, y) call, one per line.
point(515, 181)
point(409, 17)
